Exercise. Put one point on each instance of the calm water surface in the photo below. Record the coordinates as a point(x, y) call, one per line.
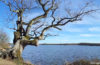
point(59, 54)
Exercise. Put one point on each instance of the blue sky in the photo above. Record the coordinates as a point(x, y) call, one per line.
point(87, 30)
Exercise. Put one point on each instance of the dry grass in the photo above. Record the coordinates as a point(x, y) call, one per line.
point(4, 45)
point(13, 62)
point(84, 62)
point(6, 62)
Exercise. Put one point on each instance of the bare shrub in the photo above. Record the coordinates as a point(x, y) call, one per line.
point(4, 39)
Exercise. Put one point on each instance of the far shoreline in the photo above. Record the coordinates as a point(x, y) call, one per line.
point(81, 44)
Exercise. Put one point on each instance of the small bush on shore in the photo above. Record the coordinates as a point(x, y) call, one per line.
point(4, 39)
point(4, 46)
point(20, 62)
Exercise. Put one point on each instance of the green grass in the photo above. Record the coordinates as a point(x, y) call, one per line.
point(20, 62)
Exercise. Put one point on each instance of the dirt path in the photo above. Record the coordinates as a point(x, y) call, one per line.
point(6, 62)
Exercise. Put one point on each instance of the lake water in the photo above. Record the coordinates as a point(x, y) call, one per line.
point(59, 54)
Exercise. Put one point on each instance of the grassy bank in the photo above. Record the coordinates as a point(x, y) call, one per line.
point(84, 62)
point(77, 62)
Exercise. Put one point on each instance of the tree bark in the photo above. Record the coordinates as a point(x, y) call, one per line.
point(20, 44)
point(17, 49)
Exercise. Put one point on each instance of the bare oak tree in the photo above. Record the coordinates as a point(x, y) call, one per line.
point(30, 32)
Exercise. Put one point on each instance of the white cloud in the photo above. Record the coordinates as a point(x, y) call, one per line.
point(89, 35)
point(55, 40)
point(86, 35)
point(95, 29)
point(72, 29)
point(75, 30)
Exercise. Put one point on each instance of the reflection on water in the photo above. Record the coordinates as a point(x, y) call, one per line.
point(59, 54)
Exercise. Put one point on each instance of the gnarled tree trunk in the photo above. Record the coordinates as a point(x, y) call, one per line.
point(20, 44)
